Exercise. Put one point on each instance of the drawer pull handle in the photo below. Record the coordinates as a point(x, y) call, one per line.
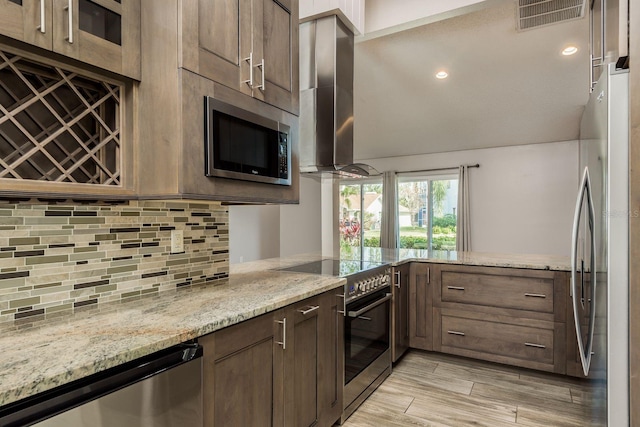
point(309, 310)
point(529, 344)
point(456, 288)
point(535, 295)
point(456, 333)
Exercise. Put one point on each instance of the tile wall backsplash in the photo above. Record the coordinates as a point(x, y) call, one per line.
point(57, 257)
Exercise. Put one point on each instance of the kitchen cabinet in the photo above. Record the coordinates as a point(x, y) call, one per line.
point(67, 133)
point(421, 305)
point(102, 33)
point(250, 46)
point(243, 373)
point(400, 311)
point(282, 368)
point(505, 315)
point(172, 112)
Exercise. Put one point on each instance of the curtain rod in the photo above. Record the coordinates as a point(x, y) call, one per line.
point(477, 165)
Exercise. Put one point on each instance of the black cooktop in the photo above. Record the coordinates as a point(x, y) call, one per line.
point(333, 267)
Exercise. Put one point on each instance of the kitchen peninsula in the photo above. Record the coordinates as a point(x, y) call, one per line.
point(40, 355)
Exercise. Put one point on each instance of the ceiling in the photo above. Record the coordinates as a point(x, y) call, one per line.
point(504, 87)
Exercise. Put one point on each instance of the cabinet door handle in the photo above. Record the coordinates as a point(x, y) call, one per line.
point(69, 9)
point(42, 27)
point(283, 343)
point(261, 66)
point(344, 305)
point(535, 295)
point(428, 275)
point(529, 344)
point(249, 59)
point(309, 310)
point(398, 278)
point(456, 288)
point(455, 333)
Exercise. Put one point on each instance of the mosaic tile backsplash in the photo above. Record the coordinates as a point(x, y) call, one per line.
point(56, 258)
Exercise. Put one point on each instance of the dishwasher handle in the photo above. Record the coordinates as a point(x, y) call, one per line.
point(68, 396)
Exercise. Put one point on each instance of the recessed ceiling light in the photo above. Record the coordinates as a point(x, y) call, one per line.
point(569, 50)
point(442, 74)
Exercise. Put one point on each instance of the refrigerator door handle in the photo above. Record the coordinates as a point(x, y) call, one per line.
point(585, 349)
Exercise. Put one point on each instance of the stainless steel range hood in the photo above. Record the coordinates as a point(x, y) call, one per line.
point(326, 99)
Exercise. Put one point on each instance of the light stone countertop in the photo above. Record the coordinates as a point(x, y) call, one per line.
point(485, 259)
point(36, 358)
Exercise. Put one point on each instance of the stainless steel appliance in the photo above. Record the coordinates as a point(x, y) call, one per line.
point(367, 311)
point(241, 144)
point(599, 249)
point(326, 99)
point(161, 390)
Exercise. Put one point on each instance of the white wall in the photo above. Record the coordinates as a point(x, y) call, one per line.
point(383, 17)
point(522, 197)
point(259, 232)
point(254, 233)
point(300, 225)
point(522, 201)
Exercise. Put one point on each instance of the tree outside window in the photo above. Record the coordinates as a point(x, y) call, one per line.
point(427, 213)
point(360, 217)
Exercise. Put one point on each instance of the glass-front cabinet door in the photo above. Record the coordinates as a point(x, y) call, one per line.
point(104, 33)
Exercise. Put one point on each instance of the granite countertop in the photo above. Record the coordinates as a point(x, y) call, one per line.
point(36, 357)
point(486, 259)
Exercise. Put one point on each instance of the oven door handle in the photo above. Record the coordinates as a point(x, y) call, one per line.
point(387, 297)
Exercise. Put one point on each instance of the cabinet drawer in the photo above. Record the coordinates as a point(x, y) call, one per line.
point(505, 291)
point(500, 342)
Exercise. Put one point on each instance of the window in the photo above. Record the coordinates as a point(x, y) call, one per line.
point(427, 212)
point(360, 216)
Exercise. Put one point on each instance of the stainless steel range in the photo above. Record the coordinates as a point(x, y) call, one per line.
point(367, 311)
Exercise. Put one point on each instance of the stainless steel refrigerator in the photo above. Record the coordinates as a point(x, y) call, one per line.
point(599, 249)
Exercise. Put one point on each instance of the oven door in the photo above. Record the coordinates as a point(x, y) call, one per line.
point(367, 332)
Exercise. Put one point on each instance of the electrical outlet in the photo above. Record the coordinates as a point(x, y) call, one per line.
point(177, 241)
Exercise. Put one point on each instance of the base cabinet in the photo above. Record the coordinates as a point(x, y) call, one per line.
point(400, 311)
point(421, 306)
point(243, 373)
point(505, 315)
point(282, 368)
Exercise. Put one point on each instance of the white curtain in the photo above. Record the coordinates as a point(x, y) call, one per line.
point(389, 227)
point(463, 225)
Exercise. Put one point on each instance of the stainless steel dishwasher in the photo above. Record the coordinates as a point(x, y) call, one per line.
point(163, 389)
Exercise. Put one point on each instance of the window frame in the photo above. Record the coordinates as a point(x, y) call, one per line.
point(361, 182)
point(402, 177)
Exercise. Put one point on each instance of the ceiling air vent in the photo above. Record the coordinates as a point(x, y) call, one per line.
point(538, 13)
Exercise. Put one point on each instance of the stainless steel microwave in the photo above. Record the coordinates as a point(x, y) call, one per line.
point(241, 144)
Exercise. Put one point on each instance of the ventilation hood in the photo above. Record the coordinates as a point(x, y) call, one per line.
point(326, 99)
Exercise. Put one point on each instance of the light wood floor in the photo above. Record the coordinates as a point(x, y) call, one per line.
point(431, 389)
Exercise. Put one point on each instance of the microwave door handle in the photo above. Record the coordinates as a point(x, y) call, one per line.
point(363, 310)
